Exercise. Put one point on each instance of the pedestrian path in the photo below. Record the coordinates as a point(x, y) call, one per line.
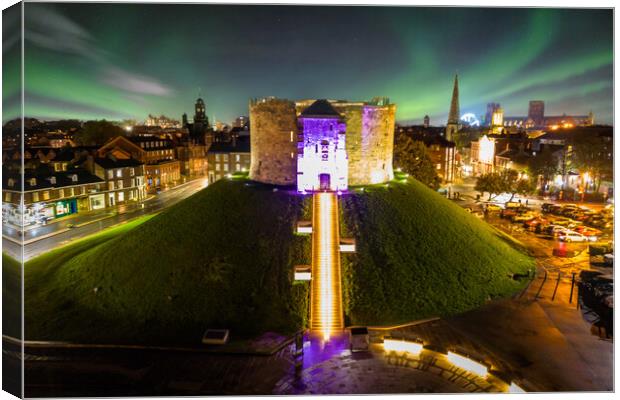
point(326, 293)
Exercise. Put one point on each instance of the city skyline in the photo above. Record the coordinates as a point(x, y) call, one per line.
point(124, 61)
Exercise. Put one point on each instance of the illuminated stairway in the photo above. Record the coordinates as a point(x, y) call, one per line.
point(326, 295)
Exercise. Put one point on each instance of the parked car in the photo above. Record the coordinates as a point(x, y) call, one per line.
point(491, 207)
point(546, 207)
point(572, 236)
point(554, 230)
point(508, 213)
point(522, 217)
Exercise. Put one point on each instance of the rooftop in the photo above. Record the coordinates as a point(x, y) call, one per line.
point(320, 108)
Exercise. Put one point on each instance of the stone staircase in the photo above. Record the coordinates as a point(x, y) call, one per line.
point(326, 315)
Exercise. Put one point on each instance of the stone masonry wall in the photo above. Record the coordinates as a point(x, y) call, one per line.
point(369, 142)
point(273, 124)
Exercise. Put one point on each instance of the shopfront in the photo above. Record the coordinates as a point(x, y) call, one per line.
point(65, 207)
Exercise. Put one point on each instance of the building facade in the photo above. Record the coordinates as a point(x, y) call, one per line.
point(322, 162)
point(162, 169)
point(124, 182)
point(48, 195)
point(225, 158)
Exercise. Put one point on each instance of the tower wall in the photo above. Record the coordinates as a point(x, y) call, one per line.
point(273, 141)
point(369, 141)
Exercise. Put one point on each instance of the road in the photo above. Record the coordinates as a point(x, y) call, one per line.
point(45, 238)
point(468, 195)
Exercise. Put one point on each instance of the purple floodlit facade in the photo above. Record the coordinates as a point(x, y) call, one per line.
point(322, 162)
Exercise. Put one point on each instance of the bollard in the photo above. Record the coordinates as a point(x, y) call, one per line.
point(557, 283)
point(541, 285)
point(572, 286)
point(299, 353)
point(299, 344)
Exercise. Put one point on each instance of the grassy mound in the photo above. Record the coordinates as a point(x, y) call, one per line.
point(11, 297)
point(221, 258)
point(420, 255)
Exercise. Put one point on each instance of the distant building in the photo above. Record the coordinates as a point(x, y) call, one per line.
point(427, 121)
point(488, 117)
point(200, 127)
point(241, 122)
point(228, 157)
point(452, 127)
point(442, 153)
point(162, 121)
point(536, 119)
point(497, 121)
point(536, 112)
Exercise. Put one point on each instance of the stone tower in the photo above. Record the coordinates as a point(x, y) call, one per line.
point(273, 123)
point(452, 126)
point(200, 114)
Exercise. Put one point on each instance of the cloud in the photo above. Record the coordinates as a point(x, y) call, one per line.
point(45, 107)
point(49, 29)
point(134, 83)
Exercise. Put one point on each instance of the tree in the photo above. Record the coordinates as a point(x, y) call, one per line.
point(97, 133)
point(491, 183)
point(591, 153)
point(411, 156)
point(544, 165)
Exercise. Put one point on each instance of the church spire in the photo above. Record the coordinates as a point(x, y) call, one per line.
point(453, 117)
point(452, 126)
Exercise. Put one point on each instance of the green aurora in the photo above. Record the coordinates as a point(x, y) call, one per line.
point(124, 61)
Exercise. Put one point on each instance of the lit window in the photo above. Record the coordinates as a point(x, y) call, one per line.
point(119, 173)
point(237, 167)
point(132, 171)
point(61, 193)
point(46, 195)
point(217, 157)
point(217, 167)
point(225, 167)
point(438, 166)
point(110, 174)
point(35, 197)
point(121, 196)
point(119, 184)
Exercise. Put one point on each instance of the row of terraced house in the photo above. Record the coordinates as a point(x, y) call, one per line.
point(58, 182)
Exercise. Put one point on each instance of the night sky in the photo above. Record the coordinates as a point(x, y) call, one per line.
point(119, 61)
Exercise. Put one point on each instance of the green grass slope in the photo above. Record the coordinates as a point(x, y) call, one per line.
point(11, 297)
point(420, 255)
point(221, 258)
